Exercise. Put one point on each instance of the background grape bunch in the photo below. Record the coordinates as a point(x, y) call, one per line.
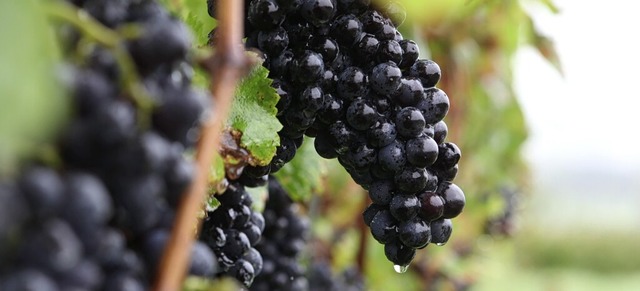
point(100, 219)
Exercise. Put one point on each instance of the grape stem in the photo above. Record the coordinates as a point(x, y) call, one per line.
point(114, 40)
point(364, 235)
point(226, 67)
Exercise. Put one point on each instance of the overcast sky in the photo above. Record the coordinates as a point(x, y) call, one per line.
point(584, 146)
point(592, 116)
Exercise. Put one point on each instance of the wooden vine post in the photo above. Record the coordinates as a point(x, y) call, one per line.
point(225, 67)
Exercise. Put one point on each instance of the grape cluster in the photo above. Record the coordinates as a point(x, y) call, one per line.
point(322, 278)
point(347, 77)
point(284, 237)
point(101, 220)
point(232, 230)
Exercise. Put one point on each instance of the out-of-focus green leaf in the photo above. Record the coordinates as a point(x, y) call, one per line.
point(259, 196)
point(434, 11)
point(545, 47)
point(194, 14)
point(303, 175)
point(549, 4)
point(193, 283)
point(254, 114)
point(32, 106)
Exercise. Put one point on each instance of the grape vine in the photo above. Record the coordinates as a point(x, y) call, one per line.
point(123, 205)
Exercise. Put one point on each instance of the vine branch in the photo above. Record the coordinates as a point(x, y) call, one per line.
point(226, 67)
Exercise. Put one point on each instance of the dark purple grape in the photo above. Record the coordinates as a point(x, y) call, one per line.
point(381, 192)
point(255, 259)
point(388, 32)
point(404, 206)
point(434, 106)
point(265, 14)
point(346, 29)
point(329, 80)
point(92, 91)
point(354, 6)
point(381, 134)
point(448, 155)
point(392, 157)
point(114, 124)
point(414, 233)
point(327, 47)
point(253, 233)
point(410, 53)
point(409, 122)
point(52, 246)
point(343, 136)
point(88, 203)
point(454, 199)
point(273, 42)
point(431, 206)
point(160, 32)
point(312, 99)
point(383, 227)
point(27, 279)
point(371, 212)
point(178, 113)
point(428, 71)
point(440, 131)
point(412, 179)
point(363, 156)
point(386, 78)
point(410, 92)
point(389, 50)
point(44, 190)
point(422, 151)
point(203, 261)
point(280, 66)
point(398, 253)
point(333, 109)
point(309, 67)
point(318, 12)
point(372, 21)
point(324, 147)
point(447, 174)
point(352, 83)
point(361, 115)
point(236, 245)
point(85, 275)
point(367, 47)
point(124, 282)
point(284, 154)
point(441, 231)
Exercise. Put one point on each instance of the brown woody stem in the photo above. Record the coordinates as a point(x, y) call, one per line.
point(226, 67)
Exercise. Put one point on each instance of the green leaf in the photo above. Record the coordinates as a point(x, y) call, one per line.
point(194, 14)
point(32, 106)
point(193, 283)
point(254, 114)
point(303, 175)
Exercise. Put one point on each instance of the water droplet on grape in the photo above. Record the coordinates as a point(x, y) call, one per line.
point(400, 269)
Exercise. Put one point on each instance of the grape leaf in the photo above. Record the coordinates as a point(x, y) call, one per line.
point(193, 283)
point(194, 14)
point(303, 175)
point(197, 17)
point(254, 114)
point(32, 107)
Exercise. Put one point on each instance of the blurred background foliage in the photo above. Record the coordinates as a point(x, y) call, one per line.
point(475, 43)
